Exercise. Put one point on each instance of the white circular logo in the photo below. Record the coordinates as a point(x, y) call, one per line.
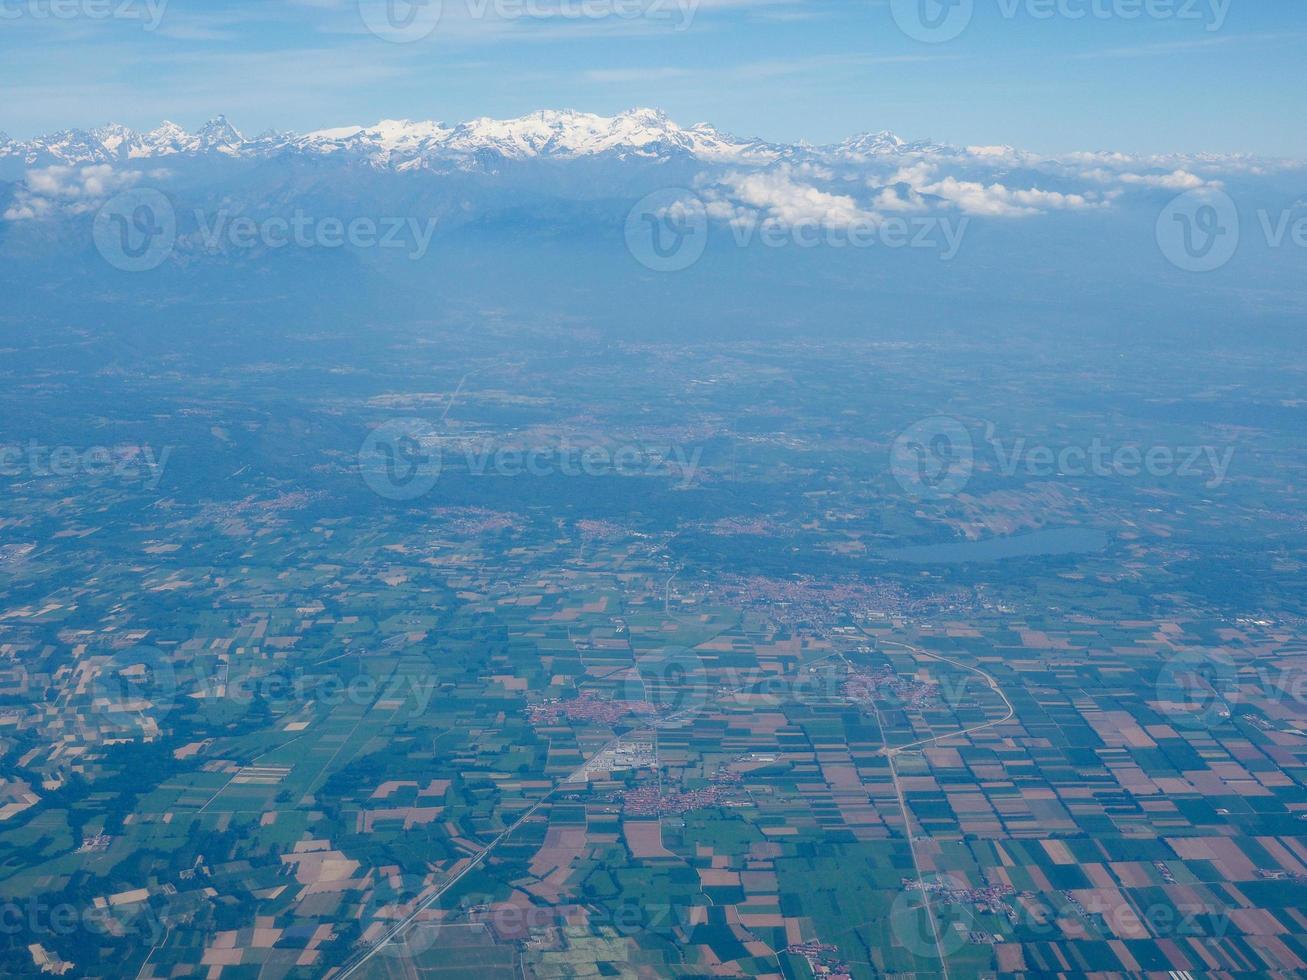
point(134, 683)
point(910, 917)
point(135, 230)
point(676, 682)
point(401, 21)
point(400, 459)
point(932, 21)
point(1199, 230)
point(139, 920)
point(667, 231)
point(933, 458)
point(1198, 689)
point(390, 903)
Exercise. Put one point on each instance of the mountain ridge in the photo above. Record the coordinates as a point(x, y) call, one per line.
point(418, 144)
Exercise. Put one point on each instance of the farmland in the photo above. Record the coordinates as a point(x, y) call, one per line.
point(695, 718)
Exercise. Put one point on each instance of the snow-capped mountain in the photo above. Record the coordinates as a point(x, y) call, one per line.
point(115, 143)
point(866, 145)
point(552, 218)
point(553, 161)
point(404, 145)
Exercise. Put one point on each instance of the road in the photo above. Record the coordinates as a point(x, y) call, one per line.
point(356, 962)
point(993, 686)
point(360, 959)
point(891, 756)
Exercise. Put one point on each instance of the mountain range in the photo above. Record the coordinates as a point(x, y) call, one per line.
point(544, 219)
point(406, 145)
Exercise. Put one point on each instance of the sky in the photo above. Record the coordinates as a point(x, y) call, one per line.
point(1138, 76)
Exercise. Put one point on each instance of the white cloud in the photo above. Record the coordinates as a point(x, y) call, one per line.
point(1176, 180)
point(998, 200)
point(68, 190)
point(974, 197)
point(793, 197)
point(889, 199)
point(776, 197)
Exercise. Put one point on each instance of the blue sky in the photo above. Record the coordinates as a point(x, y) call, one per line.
point(1130, 75)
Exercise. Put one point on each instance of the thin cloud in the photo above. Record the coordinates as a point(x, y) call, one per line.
point(1162, 48)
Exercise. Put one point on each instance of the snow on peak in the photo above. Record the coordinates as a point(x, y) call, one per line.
point(404, 144)
point(218, 132)
point(557, 133)
point(878, 144)
point(168, 130)
point(113, 136)
point(648, 117)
